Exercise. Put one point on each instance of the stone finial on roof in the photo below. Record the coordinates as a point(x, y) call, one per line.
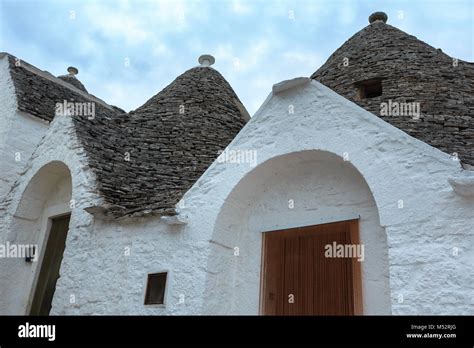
point(378, 16)
point(71, 78)
point(72, 70)
point(206, 60)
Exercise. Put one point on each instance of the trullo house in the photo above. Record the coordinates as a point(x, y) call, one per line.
point(348, 192)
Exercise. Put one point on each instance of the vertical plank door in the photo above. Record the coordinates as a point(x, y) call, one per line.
point(297, 277)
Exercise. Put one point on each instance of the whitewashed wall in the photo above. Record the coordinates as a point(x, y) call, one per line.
point(430, 239)
point(110, 264)
point(20, 133)
point(26, 220)
point(426, 277)
point(47, 196)
point(300, 189)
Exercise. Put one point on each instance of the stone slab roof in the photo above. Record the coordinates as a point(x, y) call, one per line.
point(411, 71)
point(73, 81)
point(38, 91)
point(170, 140)
point(147, 159)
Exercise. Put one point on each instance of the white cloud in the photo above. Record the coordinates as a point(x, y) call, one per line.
point(176, 15)
point(144, 20)
point(115, 23)
point(126, 96)
point(305, 61)
point(241, 7)
point(347, 13)
point(243, 61)
point(167, 36)
point(161, 50)
point(195, 44)
point(251, 58)
point(86, 45)
point(224, 54)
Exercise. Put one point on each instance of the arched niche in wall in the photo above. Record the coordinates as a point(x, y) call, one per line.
point(293, 190)
point(47, 195)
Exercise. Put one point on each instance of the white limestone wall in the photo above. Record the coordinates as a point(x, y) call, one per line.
point(7, 99)
point(105, 264)
point(20, 133)
point(430, 236)
point(112, 262)
point(22, 139)
point(295, 190)
point(426, 276)
point(48, 197)
point(26, 221)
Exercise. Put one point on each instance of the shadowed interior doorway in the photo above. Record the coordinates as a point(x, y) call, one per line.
point(50, 265)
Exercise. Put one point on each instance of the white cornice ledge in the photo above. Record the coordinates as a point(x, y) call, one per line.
point(174, 219)
point(289, 84)
point(463, 184)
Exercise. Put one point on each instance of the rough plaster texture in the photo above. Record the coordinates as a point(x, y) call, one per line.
point(7, 99)
point(96, 253)
point(430, 239)
point(294, 190)
point(324, 127)
point(48, 195)
point(19, 132)
point(25, 211)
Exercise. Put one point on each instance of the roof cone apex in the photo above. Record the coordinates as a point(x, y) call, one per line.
point(206, 60)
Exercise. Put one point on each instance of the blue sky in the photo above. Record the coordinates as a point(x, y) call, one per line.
point(127, 51)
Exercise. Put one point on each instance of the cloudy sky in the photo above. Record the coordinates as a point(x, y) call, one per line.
point(127, 51)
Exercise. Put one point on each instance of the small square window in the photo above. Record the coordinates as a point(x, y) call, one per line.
point(155, 288)
point(370, 88)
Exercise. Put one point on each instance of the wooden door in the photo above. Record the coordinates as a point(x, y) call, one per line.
point(297, 277)
point(50, 265)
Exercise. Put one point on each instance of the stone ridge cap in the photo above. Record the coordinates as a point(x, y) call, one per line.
point(47, 75)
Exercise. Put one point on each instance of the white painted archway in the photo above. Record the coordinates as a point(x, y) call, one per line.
point(297, 189)
point(47, 195)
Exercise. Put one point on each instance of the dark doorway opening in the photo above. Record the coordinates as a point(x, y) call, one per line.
point(50, 265)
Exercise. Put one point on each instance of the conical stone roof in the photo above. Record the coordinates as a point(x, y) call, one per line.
point(410, 71)
point(146, 160)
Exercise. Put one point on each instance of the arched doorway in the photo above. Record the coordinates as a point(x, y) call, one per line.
point(289, 192)
point(41, 220)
